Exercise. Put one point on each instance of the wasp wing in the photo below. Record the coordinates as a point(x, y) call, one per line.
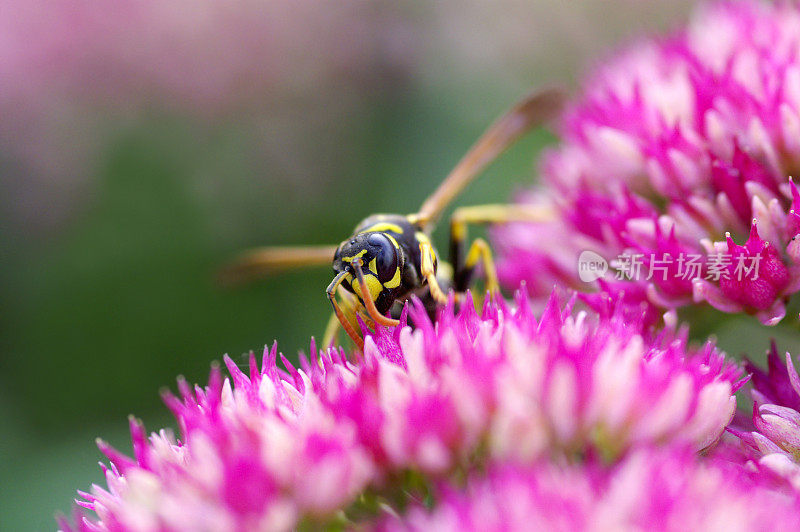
point(261, 262)
point(535, 110)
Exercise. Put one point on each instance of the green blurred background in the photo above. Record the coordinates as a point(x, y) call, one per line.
point(127, 183)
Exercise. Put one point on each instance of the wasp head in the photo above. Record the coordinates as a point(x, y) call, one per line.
point(381, 261)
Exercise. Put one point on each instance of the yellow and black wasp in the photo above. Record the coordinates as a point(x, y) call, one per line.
point(389, 257)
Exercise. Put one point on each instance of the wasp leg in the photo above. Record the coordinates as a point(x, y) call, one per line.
point(340, 315)
point(330, 331)
point(428, 270)
point(479, 250)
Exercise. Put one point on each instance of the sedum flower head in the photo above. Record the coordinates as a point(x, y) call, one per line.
point(256, 453)
point(279, 447)
point(648, 490)
point(675, 167)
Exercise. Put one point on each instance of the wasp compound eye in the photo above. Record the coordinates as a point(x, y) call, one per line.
point(385, 252)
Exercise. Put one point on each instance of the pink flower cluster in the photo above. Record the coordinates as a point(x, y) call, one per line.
point(648, 490)
point(280, 447)
point(679, 146)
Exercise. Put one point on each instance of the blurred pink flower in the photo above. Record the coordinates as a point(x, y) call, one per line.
point(648, 490)
point(674, 151)
point(280, 447)
point(75, 72)
point(205, 54)
point(773, 439)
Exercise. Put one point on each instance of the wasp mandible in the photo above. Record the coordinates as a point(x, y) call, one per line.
point(390, 257)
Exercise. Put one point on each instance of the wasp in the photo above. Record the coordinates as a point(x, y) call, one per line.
point(390, 257)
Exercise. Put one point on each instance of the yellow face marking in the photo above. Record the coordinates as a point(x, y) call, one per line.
point(373, 285)
point(394, 282)
point(383, 227)
point(373, 267)
point(390, 237)
point(350, 259)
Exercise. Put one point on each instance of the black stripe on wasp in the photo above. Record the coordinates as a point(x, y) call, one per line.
point(390, 257)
